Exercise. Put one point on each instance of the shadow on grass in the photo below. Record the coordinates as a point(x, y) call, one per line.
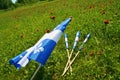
point(42, 75)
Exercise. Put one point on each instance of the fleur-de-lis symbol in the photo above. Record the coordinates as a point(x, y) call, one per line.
point(39, 49)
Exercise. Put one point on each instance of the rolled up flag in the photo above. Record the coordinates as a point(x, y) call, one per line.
point(41, 51)
point(88, 36)
point(66, 41)
point(76, 39)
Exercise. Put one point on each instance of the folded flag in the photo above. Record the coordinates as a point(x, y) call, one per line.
point(66, 41)
point(41, 51)
point(76, 39)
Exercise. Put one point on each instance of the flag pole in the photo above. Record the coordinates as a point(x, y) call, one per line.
point(70, 64)
point(74, 46)
point(88, 36)
point(35, 72)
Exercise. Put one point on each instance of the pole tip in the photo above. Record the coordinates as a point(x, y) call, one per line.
point(70, 16)
point(88, 35)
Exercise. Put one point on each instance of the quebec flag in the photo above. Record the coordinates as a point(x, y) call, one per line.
point(41, 51)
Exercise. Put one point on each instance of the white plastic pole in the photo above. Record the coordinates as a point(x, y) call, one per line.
point(35, 72)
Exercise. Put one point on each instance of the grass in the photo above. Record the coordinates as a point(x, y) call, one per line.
point(21, 28)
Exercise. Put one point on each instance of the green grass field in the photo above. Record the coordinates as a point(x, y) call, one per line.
point(21, 28)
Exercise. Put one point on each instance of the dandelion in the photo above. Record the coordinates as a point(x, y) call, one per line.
point(37, 30)
point(106, 21)
point(91, 53)
point(22, 35)
point(102, 12)
point(52, 17)
point(47, 31)
point(90, 7)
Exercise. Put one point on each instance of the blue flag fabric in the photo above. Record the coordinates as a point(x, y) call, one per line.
point(41, 51)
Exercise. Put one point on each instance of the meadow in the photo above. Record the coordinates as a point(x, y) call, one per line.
point(22, 27)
